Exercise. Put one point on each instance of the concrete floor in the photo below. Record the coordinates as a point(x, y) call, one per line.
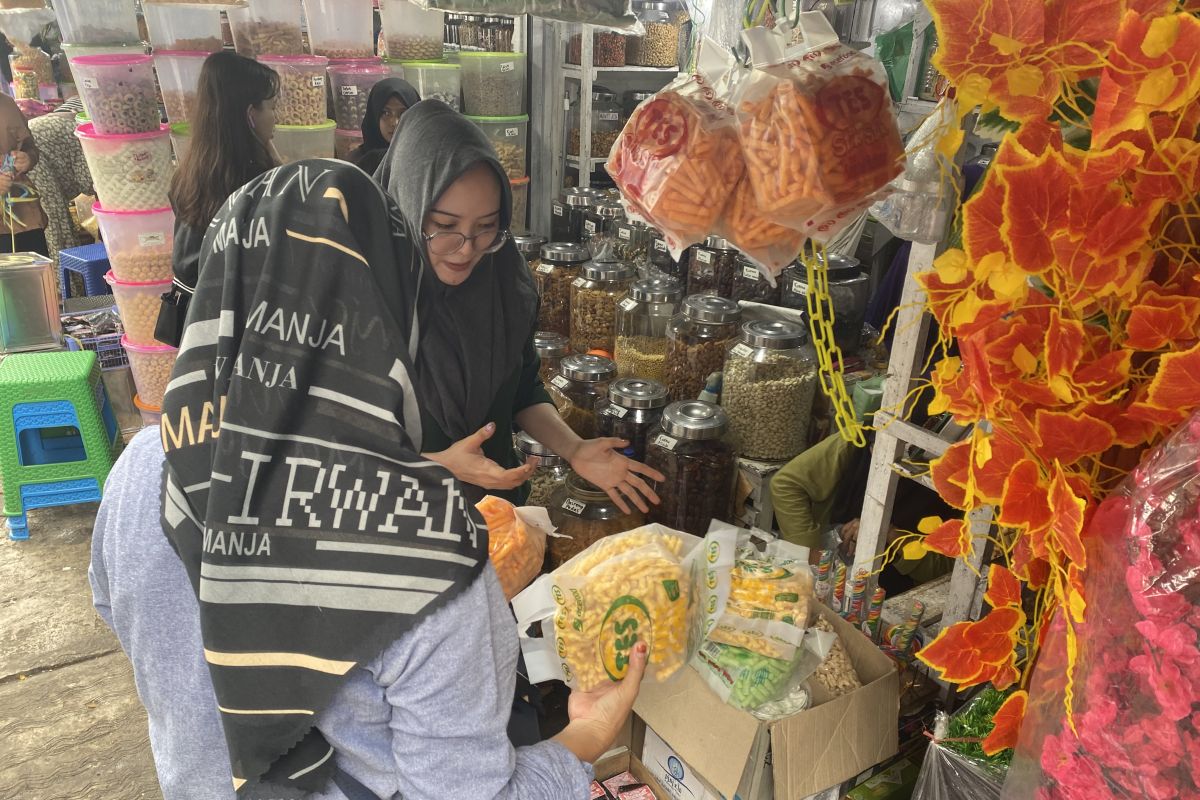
point(72, 727)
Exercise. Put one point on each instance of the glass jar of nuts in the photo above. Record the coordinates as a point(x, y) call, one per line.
point(696, 343)
point(711, 266)
point(848, 292)
point(583, 515)
point(634, 407)
point(600, 230)
point(550, 470)
point(749, 283)
point(659, 45)
point(580, 386)
point(594, 297)
point(769, 386)
point(551, 349)
point(529, 245)
point(689, 448)
point(560, 266)
point(642, 320)
point(631, 237)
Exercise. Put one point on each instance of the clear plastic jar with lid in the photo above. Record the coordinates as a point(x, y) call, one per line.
point(631, 238)
point(659, 254)
point(849, 292)
point(584, 514)
point(696, 343)
point(711, 266)
point(550, 470)
point(605, 112)
point(749, 283)
point(659, 45)
point(600, 230)
point(580, 386)
point(699, 466)
point(560, 266)
point(529, 245)
point(566, 213)
point(551, 349)
point(768, 390)
point(634, 407)
point(594, 297)
point(642, 319)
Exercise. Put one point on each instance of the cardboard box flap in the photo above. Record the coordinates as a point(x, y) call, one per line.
point(711, 736)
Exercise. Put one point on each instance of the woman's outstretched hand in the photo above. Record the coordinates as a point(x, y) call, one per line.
point(466, 461)
point(598, 716)
point(597, 461)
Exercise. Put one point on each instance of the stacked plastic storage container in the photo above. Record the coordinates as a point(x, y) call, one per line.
point(493, 88)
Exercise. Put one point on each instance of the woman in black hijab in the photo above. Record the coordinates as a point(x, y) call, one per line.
point(477, 311)
point(388, 101)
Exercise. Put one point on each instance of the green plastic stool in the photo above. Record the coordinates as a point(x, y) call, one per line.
point(58, 433)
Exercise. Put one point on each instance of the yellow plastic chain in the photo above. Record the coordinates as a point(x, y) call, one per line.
point(829, 355)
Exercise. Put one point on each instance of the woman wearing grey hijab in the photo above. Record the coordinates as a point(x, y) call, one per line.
point(476, 307)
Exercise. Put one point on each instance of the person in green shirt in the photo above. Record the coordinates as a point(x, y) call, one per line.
point(476, 309)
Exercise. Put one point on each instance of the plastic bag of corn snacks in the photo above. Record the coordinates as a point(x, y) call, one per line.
point(516, 541)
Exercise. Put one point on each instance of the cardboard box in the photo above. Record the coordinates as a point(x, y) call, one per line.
point(741, 757)
point(757, 510)
point(896, 782)
point(625, 757)
point(678, 779)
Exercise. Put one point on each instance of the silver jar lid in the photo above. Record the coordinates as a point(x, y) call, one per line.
point(528, 446)
point(718, 243)
point(550, 344)
point(608, 271)
point(841, 268)
point(774, 335)
point(641, 94)
point(657, 290)
point(609, 210)
point(695, 419)
point(601, 95)
point(528, 244)
point(565, 251)
point(638, 393)
point(711, 308)
point(577, 197)
point(587, 368)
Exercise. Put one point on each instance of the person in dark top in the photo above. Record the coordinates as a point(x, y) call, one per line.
point(388, 101)
point(231, 145)
point(477, 307)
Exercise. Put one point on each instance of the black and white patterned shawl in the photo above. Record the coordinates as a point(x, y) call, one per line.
point(312, 530)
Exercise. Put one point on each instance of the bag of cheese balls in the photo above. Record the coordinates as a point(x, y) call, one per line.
point(516, 542)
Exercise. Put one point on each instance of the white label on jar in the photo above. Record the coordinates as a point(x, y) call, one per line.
point(508, 66)
point(628, 304)
point(616, 411)
point(89, 83)
point(560, 382)
point(545, 269)
point(704, 256)
point(152, 239)
point(579, 283)
point(556, 210)
point(743, 350)
point(608, 116)
point(660, 245)
point(665, 442)
point(624, 233)
point(750, 273)
point(349, 91)
point(573, 506)
point(800, 288)
point(511, 132)
point(318, 81)
point(589, 227)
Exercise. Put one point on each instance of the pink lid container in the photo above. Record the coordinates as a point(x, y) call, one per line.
point(131, 172)
point(139, 243)
point(351, 84)
point(151, 366)
point(118, 92)
point(302, 96)
point(138, 304)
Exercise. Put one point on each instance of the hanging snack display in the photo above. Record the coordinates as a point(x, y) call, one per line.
point(551, 349)
point(566, 213)
point(711, 266)
point(754, 234)
point(600, 230)
point(580, 386)
point(751, 284)
point(411, 32)
point(509, 137)
point(550, 470)
point(561, 264)
point(697, 340)
point(118, 92)
point(493, 84)
point(769, 384)
point(583, 515)
point(634, 408)
point(642, 320)
point(267, 27)
point(351, 85)
point(699, 465)
point(849, 290)
point(594, 297)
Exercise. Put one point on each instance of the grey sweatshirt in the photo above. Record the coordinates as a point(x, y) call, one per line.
point(426, 719)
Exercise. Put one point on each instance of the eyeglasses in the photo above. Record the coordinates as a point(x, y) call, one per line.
point(446, 243)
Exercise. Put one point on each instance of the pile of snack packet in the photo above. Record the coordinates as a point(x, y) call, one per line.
point(794, 147)
point(621, 787)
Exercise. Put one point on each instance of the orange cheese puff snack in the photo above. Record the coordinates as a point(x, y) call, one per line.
point(770, 245)
point(516, 553)
point(676, 163)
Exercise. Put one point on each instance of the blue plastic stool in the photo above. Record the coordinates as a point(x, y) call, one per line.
point(90, 261)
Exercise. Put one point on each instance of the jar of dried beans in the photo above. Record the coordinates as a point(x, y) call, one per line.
point(689, 448)
point(560, 266)
point(551, 349)
point(594, 297)
point(711, 266)
point(642, 320)
point(529, 245)
point(550, 470)
point(580, 386)
point(659, 45)
point(633, 409)
point(749, 283)
point(696, 343)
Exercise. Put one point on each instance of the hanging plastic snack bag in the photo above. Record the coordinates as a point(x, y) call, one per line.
point(627, 588)
point(516, 541)
point(769, 245)
point(677, 160)
point(817, 128)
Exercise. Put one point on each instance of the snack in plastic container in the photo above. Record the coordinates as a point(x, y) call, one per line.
point(817, 129)
point(836, 675)
point(138, 242)
point(340, 28)
point(131, 172)
point(351, 84)
point(181, 27)
point(97, 21)
point(267, 27)
point(179, 78)
point(302, 99)
point(516, 542)
point(411, 32)
point(139, 304)
point(118, 92)
point(298, 142)
point(151, 365)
